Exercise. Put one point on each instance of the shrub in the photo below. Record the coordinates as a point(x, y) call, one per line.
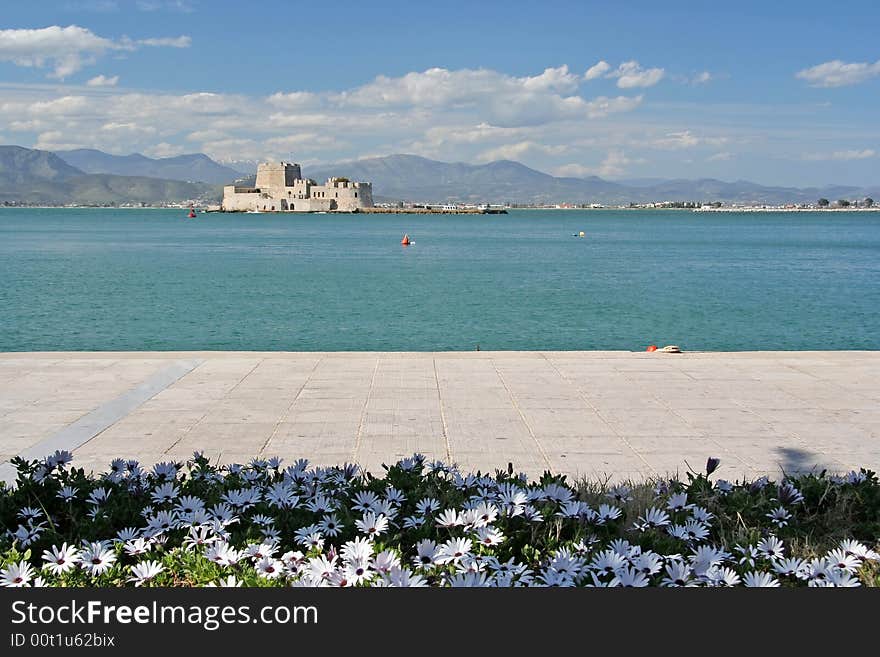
point(427, 524)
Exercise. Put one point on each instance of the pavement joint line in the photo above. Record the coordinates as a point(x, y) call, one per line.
point(183, 434)
point(93, 424)
point(522, 416)
point(442, 412)
point(290, 406)
point(599, 413)
point(360, 430)
point(703, 434)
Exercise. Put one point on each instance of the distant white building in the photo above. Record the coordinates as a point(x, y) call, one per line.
point(280, 187)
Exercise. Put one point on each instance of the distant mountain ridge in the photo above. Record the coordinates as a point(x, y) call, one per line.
point(34, 176)
point(40, 177)
point(414, 178)
point(194, 167)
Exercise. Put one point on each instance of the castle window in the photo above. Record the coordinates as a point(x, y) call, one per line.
point(355, 194)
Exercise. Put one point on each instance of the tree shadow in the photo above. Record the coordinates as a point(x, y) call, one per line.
point(793, 460)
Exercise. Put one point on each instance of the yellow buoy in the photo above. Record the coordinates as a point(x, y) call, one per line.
point(581, 234)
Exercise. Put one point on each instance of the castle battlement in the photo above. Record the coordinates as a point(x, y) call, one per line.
point(280, 187)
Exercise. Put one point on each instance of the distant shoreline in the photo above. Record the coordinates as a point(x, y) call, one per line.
point(743, 209)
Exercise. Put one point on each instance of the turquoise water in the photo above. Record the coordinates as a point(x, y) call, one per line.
point(152, 279)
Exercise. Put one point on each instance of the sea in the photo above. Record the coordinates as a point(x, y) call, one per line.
point(148, 279)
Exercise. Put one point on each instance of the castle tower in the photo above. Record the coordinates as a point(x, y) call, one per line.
point(277, 175)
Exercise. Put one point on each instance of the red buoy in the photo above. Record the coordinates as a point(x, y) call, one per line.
point(405, 240)
point(652, 347)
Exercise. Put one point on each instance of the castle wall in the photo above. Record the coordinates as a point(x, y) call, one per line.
point(241, 199)
point(348, 195)
point(281, 188)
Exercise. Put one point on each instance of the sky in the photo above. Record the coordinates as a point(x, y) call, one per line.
point(780, 93)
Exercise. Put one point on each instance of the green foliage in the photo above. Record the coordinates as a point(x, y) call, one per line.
point(821, 511)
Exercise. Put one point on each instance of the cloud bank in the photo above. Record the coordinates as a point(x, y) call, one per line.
point(66, 50)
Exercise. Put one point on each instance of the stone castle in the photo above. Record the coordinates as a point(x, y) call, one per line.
point(280, 187)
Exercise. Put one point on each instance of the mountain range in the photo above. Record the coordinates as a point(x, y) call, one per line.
point(42, 178)
point(196, 167)
point(93, 177)
point(416, 178)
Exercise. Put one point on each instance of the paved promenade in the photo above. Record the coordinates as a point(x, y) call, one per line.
point(580, 413)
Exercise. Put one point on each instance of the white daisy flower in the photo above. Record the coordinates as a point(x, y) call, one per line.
point(67, 493)
point(779, 516)
point(330, 526)
point(97, 559)
point(652, 519)
point(144, 572)
point(404, 578)
point(771, 548)
point(454, 550)
point(841, 560)
point(842, 578)
point(371, 524)
point(222, 553)
point(760, 580)
point(230, 581)
point(678, 574)
point(722, 576)
point(788, 567)
point(427, 505)
point(359, 549)
point(16, 575)
point(60, 560)
point(164, 493)
point(629, 577)
point(489, 536)
point(269, 568)
point(137, 546)
point(448, 518)
point(678, 502)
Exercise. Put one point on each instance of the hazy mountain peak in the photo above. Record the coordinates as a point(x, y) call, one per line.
point(187, 167)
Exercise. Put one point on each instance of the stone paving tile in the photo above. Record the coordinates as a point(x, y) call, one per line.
point(575, 412)
point(566, 422)
point(648, 422)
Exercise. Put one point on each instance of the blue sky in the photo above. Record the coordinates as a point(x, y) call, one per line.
point(776, 92)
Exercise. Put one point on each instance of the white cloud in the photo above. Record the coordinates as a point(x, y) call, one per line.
point(723, 156)
point(207, 135)
point(839, 74)
point(100, 6)
point(65, 106)
point(103, 81)
point(164, 150)
point(166, 5)
point(442, 87)
point(702, 78)
point(597, 70)
point(55, 140)
point(129, 128)
point(685, 139)
point(295, 100)
point(614, 165)
point(67, 49)
point(519, 150)
point(630, 74)
point(167, 42)
point(469, 114)
point(842, 155)
point(304, 142)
